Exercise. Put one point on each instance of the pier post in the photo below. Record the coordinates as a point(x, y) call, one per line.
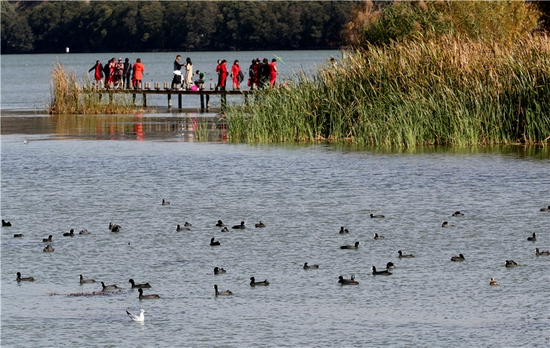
point(179, 101)
point(169, 100)
point(144, 100)
point(207, 102)
point(202, 102)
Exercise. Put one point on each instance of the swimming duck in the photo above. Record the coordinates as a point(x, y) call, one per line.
point(179, 228)
point(351, 281)
point(6, 223)
point(384, 272)
point(220, 224)
point(69, 234)
point(145, 297)
point(85, 281)
point(460, 257)
point(218, 270)
point(511, 263)
point(27, 279)
point(376, 236)
point(343, 230)
point(542, 253)
point(18, 235)
point(109, 287)
point(48, 249)
point(401, 256)
point(355, 246)
point(213, 243)
point(225, 229)
point(457, 214)
point(187, 224)
point(114, 227)
point(260, 224)
point(139, 286)
point(240, 227)
point(541, 209)
point(306, 266)
point(48, 240)
point(533, 238)
point(390, 265)
point(446, 224)
point(84, 231)
point(253, 282)
point(493, 282)
point(222, 293)
point(376, 216)
point(165, 202)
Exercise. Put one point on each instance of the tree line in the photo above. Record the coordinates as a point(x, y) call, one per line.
point(132, 26)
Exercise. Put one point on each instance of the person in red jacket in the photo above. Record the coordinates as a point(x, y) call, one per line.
point(273, 72)
point(236, 75)
point(138, 73)
point(223, 74)
point(98, 74)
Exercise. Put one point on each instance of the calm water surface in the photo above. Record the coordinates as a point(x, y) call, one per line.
point(83, 172)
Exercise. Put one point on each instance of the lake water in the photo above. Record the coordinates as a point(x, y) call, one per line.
point(86, 171)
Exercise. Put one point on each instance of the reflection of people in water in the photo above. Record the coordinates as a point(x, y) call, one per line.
point(138, 127)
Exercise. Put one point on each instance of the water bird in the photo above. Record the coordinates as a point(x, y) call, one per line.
point(225, 229)
point(27, 279)
point(446, 224)
point(145, 297)
point(460, 257)
point(109, 287)
point(165, 202)
point(306, 266)
point(48, 249)
point(84, 231)
point(6, 223)
point(343, 230)
point(218, 270)
point(351, 281)
point(511, 263)
point(541, 253)
point(241, 226)
point(541, 209)
point(401, 256)
point(376, 216)
point(253, 282)
point(355, 246)
point(390, 265)
point(214, 243)
point(187, 224)
point(69, 234)
point(222, 293)
point(533, 238)
point(114, 227)
point(139, 286)
point(48, 240)
point(18, 235)
point(457, 214)
point(260, 224)
point(384, 272)
point(139, 318)
point(85, 281)
point(220, 224)
point(179, 228)
point(377, 237)
point(25, 141)
point(493, 282)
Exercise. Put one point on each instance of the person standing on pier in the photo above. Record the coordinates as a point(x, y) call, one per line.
point(98, 74)
point(138, 73)
point(273, 72)
point(127, 73)
point(236, 73)
point(188, 73)
point(177, 63)
point(223, 74)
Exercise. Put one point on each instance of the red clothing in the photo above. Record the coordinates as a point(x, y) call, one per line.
point(223, 75)
point(138, 71)
point(235, 70)
point(98, 72)
point(272, 73)
point(257, 72)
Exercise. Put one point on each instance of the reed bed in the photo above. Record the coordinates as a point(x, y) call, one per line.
point(67, 97)
point(440, 91)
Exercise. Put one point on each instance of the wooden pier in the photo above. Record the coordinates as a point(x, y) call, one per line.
point(203, 94)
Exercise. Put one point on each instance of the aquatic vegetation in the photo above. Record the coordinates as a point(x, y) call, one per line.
point(439, 91)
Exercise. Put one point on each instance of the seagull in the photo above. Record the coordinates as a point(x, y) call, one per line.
point(25, 142)
point(139, 318)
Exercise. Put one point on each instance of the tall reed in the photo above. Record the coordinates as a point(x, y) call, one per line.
point(439, 91)
point(67, 97)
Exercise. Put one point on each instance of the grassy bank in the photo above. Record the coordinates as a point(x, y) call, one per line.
point(67, 97)
point(441, 91)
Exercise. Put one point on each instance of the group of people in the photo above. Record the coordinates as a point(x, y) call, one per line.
point(118, 75)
